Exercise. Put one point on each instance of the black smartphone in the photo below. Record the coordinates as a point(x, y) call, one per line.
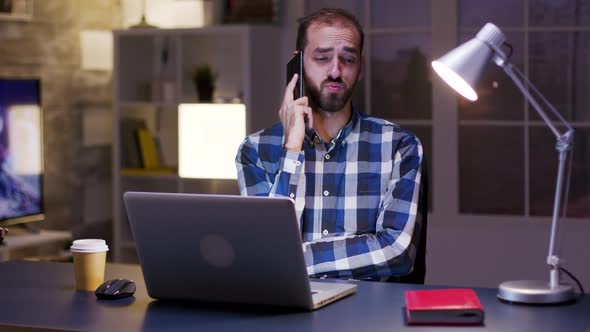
point(295, 66)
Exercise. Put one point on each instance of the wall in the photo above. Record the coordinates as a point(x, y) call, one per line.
point(480, 250)
point(48, 47)
point(477, 252)
point(460, 252)
point(488, 252)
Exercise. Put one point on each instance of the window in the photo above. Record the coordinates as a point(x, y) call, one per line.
point(513, 145)
point(502, 160)
point(397, 84)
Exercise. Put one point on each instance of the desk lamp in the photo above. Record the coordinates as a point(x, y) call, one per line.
point(461, 68)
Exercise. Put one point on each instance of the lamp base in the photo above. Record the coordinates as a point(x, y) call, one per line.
point(535, 292)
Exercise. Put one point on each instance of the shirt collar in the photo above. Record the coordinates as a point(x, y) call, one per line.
point(313, 137)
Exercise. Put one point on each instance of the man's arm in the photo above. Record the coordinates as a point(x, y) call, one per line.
point(273, 179)
point(274, 176)
point(389, 251)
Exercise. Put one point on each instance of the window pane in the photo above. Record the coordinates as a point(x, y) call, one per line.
point(543, 170)
point(424, 133)
point(353, 6)
point(559, 12)
point(559, 67)
point(358, 96)
point(400, 13)
point(400, 76)
point(499, 98)
point(503, 13)
point(491, 168)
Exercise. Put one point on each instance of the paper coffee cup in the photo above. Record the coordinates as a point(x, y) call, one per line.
point(89, 263)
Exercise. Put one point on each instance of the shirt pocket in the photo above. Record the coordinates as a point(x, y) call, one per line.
point(365, 190)
point(369, 184)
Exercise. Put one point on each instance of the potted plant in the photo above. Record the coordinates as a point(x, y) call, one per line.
point(204, 80)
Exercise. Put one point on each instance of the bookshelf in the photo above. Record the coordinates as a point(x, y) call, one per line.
point(152, 77)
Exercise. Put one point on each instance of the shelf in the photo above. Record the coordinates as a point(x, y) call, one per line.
point(21, 239)
point(147, 104)
point(152, 77)
point(163, 173)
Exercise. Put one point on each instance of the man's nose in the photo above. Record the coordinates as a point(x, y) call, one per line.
point(335, 68)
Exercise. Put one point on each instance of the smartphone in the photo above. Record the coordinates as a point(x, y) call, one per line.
point(295, 66)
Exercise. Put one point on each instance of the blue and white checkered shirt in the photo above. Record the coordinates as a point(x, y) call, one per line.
point(356, 197)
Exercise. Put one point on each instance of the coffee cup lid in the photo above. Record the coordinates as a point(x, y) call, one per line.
point(89, 245)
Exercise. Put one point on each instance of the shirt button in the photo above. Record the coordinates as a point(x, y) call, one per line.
point(327, 156)
point(326, 193)
point(325, 232)
point(343, 143)
point(298, 163)
point(291, 195)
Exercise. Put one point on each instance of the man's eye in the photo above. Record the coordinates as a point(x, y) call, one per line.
point(321, 59)
point(350, 60)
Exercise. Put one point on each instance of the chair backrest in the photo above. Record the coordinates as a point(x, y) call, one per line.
point(418, 274)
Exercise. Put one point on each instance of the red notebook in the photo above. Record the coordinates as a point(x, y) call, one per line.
point(456, 306)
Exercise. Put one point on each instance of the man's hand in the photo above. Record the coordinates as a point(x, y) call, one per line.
point(292, 115)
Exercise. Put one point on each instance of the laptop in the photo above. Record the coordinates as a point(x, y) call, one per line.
point(223, 248)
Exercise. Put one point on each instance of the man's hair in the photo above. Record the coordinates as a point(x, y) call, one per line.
point(329, 16)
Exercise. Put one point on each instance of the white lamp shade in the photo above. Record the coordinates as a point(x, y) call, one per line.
point(167, 13)
point(209, 136)
point(461, 68)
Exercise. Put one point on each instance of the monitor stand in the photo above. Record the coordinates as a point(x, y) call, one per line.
point(29, 227)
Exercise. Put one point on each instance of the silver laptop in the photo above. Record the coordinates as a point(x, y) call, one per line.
point(224, 249)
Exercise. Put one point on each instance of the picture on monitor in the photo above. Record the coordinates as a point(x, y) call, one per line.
point(21, 154)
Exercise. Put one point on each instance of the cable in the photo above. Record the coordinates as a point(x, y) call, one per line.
point(576, 280)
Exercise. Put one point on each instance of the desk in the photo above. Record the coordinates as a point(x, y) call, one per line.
point(18, 240)
point(41, 294)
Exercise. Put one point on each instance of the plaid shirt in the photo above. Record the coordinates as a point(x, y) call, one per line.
point(356, 197)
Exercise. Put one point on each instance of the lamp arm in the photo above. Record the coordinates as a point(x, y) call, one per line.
point(563, 146)
point(540, 95)
point(510, 71)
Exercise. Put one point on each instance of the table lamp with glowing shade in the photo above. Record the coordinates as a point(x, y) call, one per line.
point(461, 68)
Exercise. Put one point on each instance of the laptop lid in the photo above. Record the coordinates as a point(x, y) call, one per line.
point(223, 249)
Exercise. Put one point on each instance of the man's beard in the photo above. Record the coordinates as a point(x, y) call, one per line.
point(329, 101)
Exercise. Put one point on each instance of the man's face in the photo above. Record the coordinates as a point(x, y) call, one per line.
point(333, 65)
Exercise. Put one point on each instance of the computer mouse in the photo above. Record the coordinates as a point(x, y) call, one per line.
point(115, 289)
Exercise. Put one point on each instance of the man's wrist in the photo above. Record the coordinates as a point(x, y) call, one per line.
point(294, 149)
point(292, 160)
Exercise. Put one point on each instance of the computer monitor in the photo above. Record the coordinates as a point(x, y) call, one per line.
point(21, 151)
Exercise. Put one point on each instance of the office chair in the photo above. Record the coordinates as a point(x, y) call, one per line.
point(418, 273)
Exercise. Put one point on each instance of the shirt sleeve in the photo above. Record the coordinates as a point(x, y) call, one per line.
point(257, 177)
point(390, 250)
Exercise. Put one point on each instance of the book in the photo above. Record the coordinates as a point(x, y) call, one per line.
point(453, 306)
point(147, 149)
point(130, 154)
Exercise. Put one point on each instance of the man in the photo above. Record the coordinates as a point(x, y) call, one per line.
point(355, 179)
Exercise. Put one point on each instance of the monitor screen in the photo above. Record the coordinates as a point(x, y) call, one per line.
point(21, 151)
